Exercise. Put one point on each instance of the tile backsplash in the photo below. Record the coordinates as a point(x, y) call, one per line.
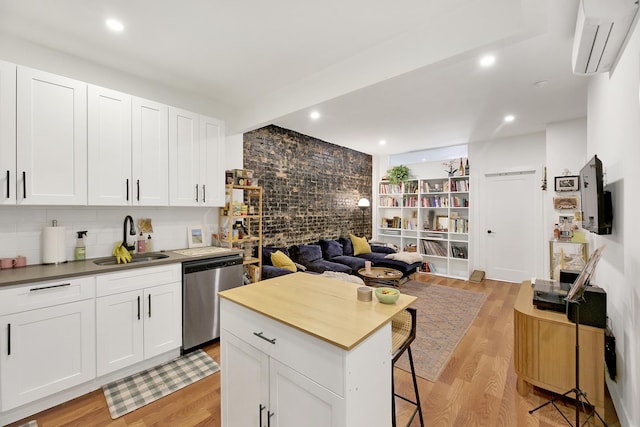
point(21, 227)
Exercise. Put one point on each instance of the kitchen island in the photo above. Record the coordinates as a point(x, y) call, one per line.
point(300, 349)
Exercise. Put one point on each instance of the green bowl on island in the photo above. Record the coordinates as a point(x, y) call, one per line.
point(387, 295)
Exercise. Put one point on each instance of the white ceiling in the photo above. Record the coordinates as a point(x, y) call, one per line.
point(405, 72)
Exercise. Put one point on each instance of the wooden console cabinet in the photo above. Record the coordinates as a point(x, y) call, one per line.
point(544, 351)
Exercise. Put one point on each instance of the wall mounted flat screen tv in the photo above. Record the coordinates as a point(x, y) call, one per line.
point(597, 215)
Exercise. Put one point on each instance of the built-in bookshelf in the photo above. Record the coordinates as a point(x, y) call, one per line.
point(431, 214)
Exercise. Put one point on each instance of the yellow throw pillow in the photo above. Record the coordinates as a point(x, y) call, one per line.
point(279, 259)
point(360, 245)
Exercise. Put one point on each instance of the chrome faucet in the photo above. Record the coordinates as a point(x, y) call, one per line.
point(132, 232)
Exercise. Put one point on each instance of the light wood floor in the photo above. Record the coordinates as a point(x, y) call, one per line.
point(477, 388)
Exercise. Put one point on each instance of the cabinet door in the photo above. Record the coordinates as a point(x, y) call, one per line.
point(7, 133)
point(109, 147)
point(184, 158)
point(46, 351)
point(150, 153)
point(244, 383)
point(51, 139)
point(119, 331)
point(212, 135)
point(162, 319)
point(295, 400)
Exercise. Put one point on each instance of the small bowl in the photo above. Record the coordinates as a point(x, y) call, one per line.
point(387, 295)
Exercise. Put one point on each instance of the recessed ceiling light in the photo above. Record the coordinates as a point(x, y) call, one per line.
point(115, 25)
point(314, 115)
point(509, 118)
point(382, 142)
point(487, 60)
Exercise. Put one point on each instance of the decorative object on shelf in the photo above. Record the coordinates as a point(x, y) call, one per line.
point(565, 202)
point(567, 183)
point(544, 180)
point(442, 223)
point(466, 168)
point(461, 168)
point(450, 171)
point(398, 174)
point(363, 204)
point(195, 236)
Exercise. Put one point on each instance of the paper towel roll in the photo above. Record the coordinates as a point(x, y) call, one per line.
point(53, 245)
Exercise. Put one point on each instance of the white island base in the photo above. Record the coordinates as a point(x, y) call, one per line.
point(306, 353)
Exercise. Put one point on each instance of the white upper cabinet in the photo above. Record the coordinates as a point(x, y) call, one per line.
point(211, 172)
point(51, 139)
point(184, 158)
point(150, 152)
point(109, 159)
point(196, 177)
point(7, 133)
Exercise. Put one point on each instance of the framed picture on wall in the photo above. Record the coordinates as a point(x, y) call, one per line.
point(567, 183)
point(195, 236)
point(565, 202)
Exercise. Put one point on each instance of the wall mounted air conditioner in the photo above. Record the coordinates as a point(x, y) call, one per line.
point(601, 33)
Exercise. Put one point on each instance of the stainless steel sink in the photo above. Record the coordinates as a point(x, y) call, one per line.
point(134, 258)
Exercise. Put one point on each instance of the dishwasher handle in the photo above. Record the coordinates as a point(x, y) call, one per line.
point(210, 264)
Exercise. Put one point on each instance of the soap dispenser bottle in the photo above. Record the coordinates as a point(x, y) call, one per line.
point(80, 251)
point(141, 246)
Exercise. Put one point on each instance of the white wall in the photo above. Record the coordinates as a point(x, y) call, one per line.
point(613, 134)
point(566, 148)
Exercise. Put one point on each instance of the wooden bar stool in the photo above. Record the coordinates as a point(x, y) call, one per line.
point(403, 332)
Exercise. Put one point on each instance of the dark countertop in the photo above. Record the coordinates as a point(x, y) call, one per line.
point(40, 272)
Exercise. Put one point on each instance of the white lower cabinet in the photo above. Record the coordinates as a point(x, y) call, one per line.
point(273, 375)
point(47, 339)
point(138, 316)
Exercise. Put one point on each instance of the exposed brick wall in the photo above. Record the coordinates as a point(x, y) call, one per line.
point(311, 187)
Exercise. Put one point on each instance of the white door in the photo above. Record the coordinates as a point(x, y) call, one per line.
point(244, 383)
point(150, 153)
point(119, 331)
point(51, 139)
point(211, 152)
point(45, 351)
point(184, 158)
point(109, 147)
point(295, 400)
point(162, 319)
point(511, 218)
point(7, 133)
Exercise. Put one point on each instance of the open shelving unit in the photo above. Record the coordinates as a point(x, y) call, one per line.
point(240, 225)
point(431, 214)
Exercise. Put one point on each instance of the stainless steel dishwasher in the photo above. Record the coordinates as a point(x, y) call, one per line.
point(201, 282)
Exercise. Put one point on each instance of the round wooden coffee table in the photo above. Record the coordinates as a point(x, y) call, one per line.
point(383, 276)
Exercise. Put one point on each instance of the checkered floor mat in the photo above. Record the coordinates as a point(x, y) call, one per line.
point(128, 394)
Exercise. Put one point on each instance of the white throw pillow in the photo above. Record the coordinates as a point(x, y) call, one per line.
point(408, 257)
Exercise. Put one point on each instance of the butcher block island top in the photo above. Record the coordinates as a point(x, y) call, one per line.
point(323, 307)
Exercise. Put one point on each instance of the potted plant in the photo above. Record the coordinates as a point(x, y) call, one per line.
point(398, 174)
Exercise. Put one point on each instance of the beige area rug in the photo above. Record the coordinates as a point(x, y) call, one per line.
point(444, 315)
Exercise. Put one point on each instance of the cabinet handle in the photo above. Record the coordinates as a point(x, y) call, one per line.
point(127, 189)
point(260, 335)
point(204, 193)
point(149, 305)
point(269, 415)
point(49, 287)
point(262, 408)
point(138, 307)
point(138, 186)
point(197, 190)
point(8, 339)
point(24, 185)
point(8, 185)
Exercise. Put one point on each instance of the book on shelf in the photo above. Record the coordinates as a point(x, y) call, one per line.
point(458, 225)
point(459, 251)
point(459, 202)
point(434, 248)
point(432, 267)
point(459, 185)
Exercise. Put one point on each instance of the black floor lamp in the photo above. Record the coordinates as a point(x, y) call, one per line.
point(363, 204)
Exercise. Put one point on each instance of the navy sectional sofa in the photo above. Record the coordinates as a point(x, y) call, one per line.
point(332, 255)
